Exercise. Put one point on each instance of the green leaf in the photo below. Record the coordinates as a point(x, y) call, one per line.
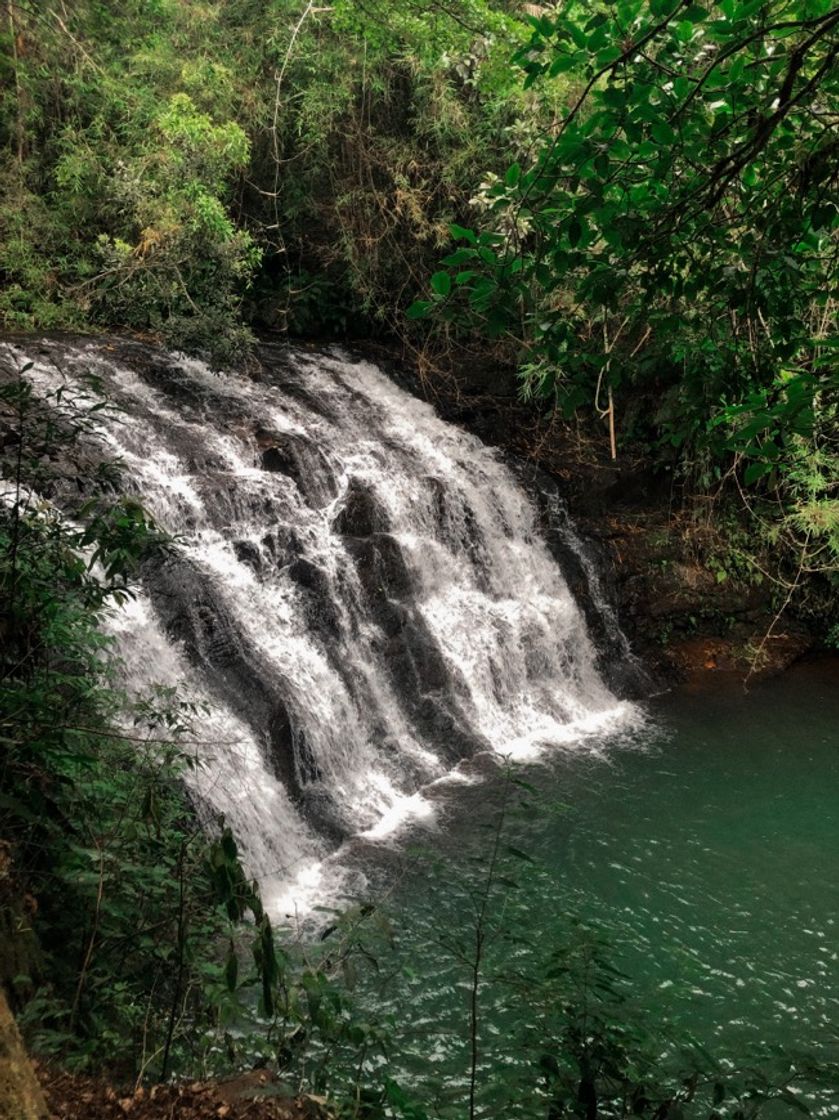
point(441, 283)
point(513, 175)
point(542, 24)
point(608, 55)
point(755, 471)
point(460, 233)
point(482, 291)
point(662, 132)
point(614, 97)
point(577, 34)
point(419, 309)
point(460, 256)
point(823, 216)
point(562, 64)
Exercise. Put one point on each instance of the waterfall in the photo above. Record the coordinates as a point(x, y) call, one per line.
point(359, 597)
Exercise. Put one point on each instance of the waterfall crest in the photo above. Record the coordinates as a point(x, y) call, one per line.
point(359, 597)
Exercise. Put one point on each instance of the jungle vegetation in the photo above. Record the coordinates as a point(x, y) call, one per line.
point(635, 202)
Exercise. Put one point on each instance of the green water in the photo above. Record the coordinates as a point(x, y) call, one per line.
point(703, 849)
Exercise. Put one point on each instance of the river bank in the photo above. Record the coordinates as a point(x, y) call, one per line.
point(251, 1096)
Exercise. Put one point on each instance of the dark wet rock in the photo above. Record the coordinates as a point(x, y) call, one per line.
point(459, 528)
point(298, 458)
point(412, 653)
point(280, 739)
point(381, 568)
point(192, 611)
point(578, 558)
point(282, 545)
point(198, 460)
point(361, 514)
point(455, 520)
point(278, 460)
point(320, 807)
point(279, 365)
point(448, 730)
point(308, 771)
point(430, 690)
point(248, 553)
point(439, 505)
point(310, 576)
point(321, 611)
point(165, 373)
point(703, 661)
point(226, 499)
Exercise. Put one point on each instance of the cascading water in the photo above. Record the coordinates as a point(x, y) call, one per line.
point(359, 597)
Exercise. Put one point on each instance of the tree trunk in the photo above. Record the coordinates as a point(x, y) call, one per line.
point(20, 1094)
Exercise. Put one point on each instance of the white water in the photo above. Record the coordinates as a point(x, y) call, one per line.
point(356, 620)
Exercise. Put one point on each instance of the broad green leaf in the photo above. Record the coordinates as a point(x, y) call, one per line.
point(419, 309)
point(662, 132)
point(460, 233)
point(577, 34)
point(562, 64)
point(441, 283)
point(460, 256)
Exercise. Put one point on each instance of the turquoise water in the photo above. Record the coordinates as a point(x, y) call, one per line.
point(703, 851)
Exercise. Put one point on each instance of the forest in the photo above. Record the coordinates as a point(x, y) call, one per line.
point(393, 392)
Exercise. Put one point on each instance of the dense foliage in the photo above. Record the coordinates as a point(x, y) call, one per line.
point(675, 232)
point(667, 255)
point(169, 161)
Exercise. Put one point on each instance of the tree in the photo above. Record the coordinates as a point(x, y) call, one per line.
point(675, 234)
point(668, 255)
point(20, 1093)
